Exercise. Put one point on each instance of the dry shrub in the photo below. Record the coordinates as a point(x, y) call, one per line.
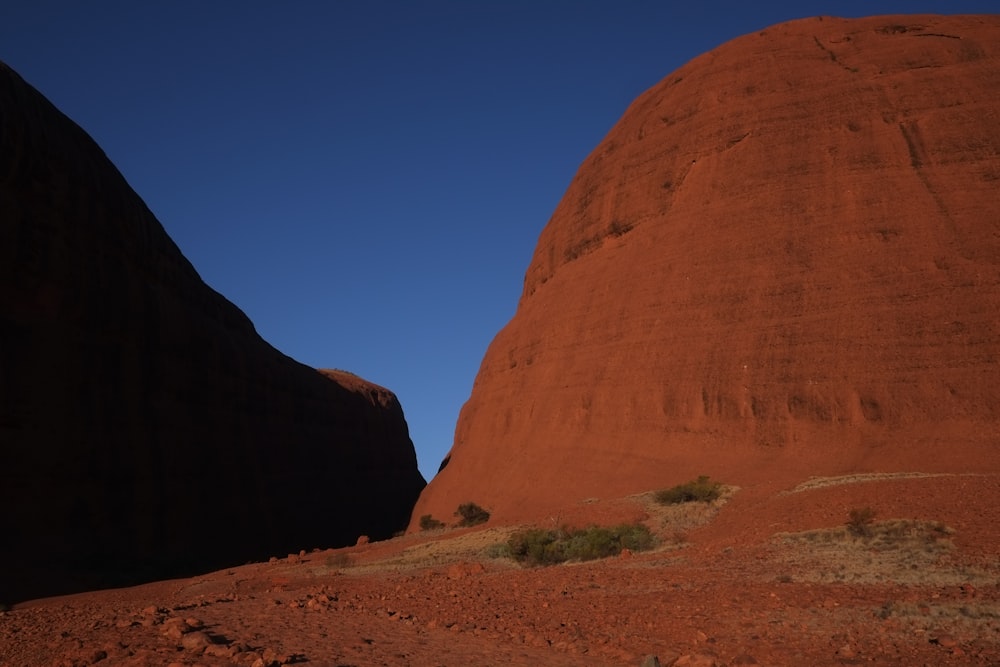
point(427, 522)
point(700, 490)
point(860, 521)
point(471, 514)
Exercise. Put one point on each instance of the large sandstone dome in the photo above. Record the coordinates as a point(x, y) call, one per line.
point(784, 260)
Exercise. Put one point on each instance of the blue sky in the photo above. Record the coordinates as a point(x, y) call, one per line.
point(367, 179)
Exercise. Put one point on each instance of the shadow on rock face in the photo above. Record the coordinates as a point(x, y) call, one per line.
point(147, 431)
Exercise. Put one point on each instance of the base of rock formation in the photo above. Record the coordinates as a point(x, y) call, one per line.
point(754, 580)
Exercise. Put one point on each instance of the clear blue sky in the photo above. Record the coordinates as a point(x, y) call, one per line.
point(367, 179)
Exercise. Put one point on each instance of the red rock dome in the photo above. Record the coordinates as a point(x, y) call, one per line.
point(783, 259)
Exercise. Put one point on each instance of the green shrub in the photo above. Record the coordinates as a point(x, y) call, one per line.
point(427, 522)
point(635, 537)
point(700, 490)
point(471, 514)
point(539, 546)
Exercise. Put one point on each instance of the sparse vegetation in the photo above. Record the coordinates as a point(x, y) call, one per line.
point(700, 490)
point(877, 536)
point(471, 514)
point(865, 550)
point(427, 522)
point(539, 546)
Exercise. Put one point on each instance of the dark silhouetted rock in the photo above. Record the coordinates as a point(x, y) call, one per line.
point(146, 430)
point(783, 260)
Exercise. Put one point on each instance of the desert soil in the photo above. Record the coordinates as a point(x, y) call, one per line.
point(768, 575)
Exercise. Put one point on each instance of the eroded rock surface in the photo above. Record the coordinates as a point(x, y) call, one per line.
point(786, 255)
point(146, 430)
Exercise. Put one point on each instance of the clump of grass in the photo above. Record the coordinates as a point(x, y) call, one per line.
point(427, 522)
point(471, 514)
point(540, 546)
point(701, 490)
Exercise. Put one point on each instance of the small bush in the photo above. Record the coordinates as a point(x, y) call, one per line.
point(700, 490)
point(536, 546)
point(539, 546)
point(427, 522)
point(860, 521)
point(471, 514)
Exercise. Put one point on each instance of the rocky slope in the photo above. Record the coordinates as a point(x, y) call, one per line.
point(785, 256)
point(146, 430)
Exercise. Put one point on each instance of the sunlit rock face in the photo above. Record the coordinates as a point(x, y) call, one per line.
point(146, 430)
point(783, 259)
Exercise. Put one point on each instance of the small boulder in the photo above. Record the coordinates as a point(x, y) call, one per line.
point(195, 641)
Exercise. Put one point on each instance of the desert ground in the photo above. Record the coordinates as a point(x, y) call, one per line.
point(768, 575)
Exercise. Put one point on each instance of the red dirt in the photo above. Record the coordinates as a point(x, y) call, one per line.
point(782, 261)
point(731, 592)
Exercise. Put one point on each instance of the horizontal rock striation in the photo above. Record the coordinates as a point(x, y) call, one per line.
point(146, 430)
point(784, 257)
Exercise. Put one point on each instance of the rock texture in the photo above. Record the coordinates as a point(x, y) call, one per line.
point(146, 430)
point(785, 256)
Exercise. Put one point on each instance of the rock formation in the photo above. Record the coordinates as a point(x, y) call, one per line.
point(785, 257)
point(146, 430)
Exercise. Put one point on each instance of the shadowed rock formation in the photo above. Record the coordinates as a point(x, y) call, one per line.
point(785, 257)
point(146, 430)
